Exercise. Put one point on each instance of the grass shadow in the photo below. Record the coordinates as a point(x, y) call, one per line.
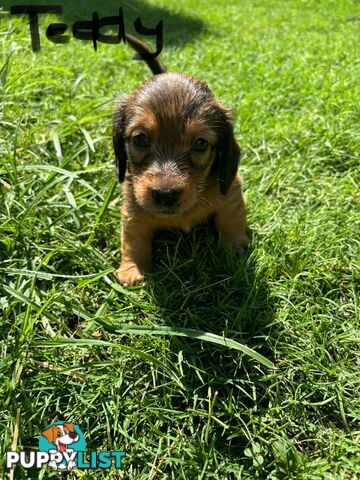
point(200, 284)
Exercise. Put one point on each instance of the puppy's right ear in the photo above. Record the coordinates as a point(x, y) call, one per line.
point(119, 140)
point(50, 434)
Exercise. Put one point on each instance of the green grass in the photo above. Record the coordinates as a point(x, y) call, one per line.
point(134, 367)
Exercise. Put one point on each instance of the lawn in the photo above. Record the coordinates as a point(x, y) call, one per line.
point(161, 370)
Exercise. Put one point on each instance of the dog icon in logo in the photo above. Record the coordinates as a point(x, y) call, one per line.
point(62, 435)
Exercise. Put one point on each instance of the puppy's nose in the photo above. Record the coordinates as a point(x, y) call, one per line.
point(165, 197)
point(72, 435)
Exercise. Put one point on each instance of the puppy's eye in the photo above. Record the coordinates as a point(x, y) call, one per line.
point(200, 145)
point(141, 140)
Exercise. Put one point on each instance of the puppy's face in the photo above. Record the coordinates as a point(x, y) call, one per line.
point(61, 435)
point(173, 139)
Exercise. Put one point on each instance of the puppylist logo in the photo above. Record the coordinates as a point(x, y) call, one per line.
point(62, 447)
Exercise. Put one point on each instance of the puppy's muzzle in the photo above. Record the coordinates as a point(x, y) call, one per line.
point(166, 197)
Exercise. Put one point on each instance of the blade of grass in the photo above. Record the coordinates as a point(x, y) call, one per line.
point(193, 334)
point(103, 209)
point(88, 342)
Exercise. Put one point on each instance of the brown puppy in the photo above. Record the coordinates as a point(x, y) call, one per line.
point(176, 151)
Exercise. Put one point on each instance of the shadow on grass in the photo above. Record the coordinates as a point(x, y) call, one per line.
point(199, 284)
point(178, 29)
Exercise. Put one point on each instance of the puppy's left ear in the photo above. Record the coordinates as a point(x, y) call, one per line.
point(119, 139)
point(227, 154)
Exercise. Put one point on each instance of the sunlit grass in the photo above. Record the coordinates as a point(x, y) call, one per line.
point(173, 371)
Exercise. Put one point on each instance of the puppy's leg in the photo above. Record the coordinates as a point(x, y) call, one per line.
point(230, 218)
point(136, 252)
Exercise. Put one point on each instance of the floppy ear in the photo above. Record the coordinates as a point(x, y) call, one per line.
point(227, 155)
point(50, 434)
point(69, 426)
point(119, 140)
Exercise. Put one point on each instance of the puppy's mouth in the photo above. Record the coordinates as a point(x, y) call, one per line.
point(62, 447)
point(167, 211)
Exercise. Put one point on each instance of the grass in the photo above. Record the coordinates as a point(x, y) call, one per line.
point(134, 367)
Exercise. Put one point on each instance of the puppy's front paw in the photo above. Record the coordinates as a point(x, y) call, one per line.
point(237, 242)
point(241, 242)
point(129, 274)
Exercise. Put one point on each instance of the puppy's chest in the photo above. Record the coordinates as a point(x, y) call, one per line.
point(188, 220)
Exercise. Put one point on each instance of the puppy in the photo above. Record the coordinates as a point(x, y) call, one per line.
point(178, 158)
point(62, 436)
